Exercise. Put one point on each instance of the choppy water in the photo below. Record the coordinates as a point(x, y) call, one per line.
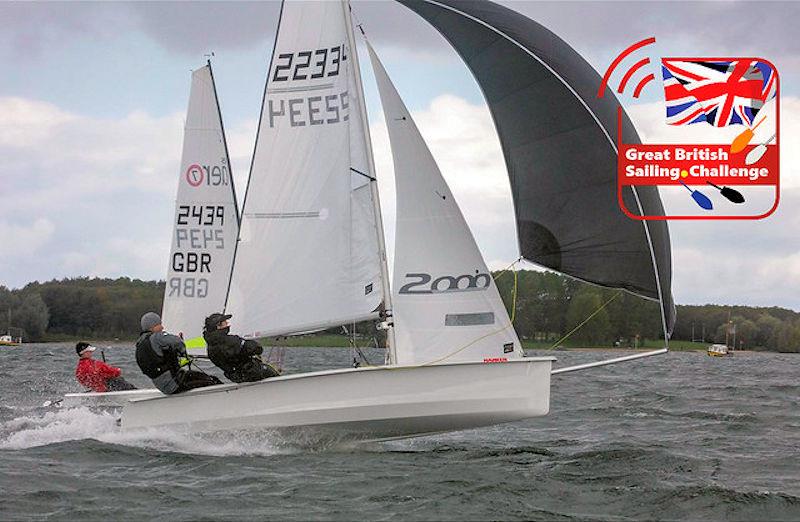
point(681, 437)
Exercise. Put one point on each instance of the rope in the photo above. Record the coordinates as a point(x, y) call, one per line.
point(514, 291)
point(355, 350)
point(585, 320)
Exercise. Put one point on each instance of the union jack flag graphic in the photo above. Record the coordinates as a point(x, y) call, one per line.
point(719, 92)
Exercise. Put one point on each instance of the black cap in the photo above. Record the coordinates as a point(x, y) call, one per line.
point(81, 346)
point(213, 320)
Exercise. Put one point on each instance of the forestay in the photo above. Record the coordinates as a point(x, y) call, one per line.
point(446, 305)
point(308, 255)
point(206, 218)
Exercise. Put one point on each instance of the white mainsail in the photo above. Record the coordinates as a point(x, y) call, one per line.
point(446, 305)
point(308, 255)
point(206, 218)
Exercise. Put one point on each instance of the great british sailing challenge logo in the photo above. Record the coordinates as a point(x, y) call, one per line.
point(736, 102)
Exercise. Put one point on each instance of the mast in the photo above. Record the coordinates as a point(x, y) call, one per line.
point(225, 144)
point(376, 202)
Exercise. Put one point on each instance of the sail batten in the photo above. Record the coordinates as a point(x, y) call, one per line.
point(559, 143)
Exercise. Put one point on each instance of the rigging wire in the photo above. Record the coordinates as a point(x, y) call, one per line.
point(355, 351)
point(585, 320)
point(509, 325)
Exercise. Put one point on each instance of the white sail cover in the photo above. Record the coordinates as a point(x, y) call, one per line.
point(206, 218)
point(308, 255)
point(446, 305)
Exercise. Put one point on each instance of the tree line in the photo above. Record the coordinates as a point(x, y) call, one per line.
point(80, 307)
point(548, 306)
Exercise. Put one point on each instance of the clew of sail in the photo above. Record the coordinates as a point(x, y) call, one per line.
point(446, 305)
point(308, 255)
point(206, 218)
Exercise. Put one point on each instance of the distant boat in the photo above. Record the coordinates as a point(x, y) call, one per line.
point(8, 340)
point(719, 350)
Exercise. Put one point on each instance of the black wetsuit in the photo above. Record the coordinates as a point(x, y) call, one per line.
point(237, 357)
point(158, 355)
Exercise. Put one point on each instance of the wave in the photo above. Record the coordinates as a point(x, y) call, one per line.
point(714, 502)
point(734, 496)
point(81, 423)
point(639, 411)
point(54, 427)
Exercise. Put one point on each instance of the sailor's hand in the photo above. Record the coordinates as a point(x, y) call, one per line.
point(184, 361)
point(252, 347)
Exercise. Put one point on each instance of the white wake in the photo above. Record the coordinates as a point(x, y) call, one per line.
point(73, 424)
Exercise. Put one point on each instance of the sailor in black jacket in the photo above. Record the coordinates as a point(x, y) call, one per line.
point(159, 355)
point(238, 358)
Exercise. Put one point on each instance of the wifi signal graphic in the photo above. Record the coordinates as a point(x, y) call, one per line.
point(630, 72)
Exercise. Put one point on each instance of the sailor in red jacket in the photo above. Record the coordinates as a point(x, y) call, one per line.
point(97, 375)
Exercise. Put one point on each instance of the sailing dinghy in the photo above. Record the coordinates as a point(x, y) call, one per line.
point(310, 252)
point(312, 190)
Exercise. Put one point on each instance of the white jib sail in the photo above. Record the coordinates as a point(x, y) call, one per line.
point(308, 255)
point(446, 305)
point(206, 218)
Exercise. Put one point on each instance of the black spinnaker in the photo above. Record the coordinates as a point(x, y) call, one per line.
point(559, 142)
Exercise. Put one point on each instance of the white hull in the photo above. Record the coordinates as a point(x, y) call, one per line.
point(108, 399)
point(374, 403)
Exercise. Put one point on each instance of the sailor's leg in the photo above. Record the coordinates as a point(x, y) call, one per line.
point(119, 384)
point(258, 370)
point(190, 379)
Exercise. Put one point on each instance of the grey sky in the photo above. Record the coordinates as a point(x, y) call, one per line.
point(92, 100)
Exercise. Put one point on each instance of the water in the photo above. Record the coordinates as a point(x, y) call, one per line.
point(681, 437)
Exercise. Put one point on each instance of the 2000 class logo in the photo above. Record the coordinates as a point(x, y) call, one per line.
point(426, 284)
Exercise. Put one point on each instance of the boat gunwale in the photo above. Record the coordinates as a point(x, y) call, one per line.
point(336, 371)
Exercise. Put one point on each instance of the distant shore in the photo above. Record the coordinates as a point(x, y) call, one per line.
point(640, 350)
point(340, 341)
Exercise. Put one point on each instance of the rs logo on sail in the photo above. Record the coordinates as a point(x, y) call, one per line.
point(425, 284)
point(213, 175)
